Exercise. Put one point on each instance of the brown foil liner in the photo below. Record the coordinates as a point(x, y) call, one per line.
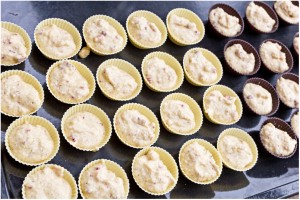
point(249, 49)
point(266, 85)
point(229, 10)
point(270, 12)
point(282, 125)
point(296, 3)
point(290, 76)
point(294, 48)
point(289, 57)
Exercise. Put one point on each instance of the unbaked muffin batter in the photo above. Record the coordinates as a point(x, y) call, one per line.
point(287, 10)
point(288, 91)
point(295, 123)
point(296, 44)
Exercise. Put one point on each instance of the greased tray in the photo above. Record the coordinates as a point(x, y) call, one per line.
point(270, 178)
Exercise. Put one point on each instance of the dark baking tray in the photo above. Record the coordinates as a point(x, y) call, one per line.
point(270, 178)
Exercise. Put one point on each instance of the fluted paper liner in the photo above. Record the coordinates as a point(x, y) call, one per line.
point(100, 114)
point(289, 76)
point(192, 17)
point(151, 17)
point(110, 165)
point(65, 25)
point(168, 161)
point(27, 78)
point(33, 120)
point(282, 20)
point(294, 113)
point(67, 176)
point(216, 156)
point(195, 108)
point(242, 135)
point(225, 91)
point(209, 56)
point(114, 23)
point(17, 29)
point(85, 73)
point(128, 68)
point(169, 60)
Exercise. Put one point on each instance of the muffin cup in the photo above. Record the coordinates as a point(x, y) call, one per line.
point(282, 20)
point(144, 111)
point(195, 108)
point(242, 135)
point(112, 166)
point(294, 48)
point(33, 120)
point(229, 10)
point(17, 29)
point(270, 12)
point(289, 76)
point(119, 28)
point(208, 146)
point(65, 25)
point(151, 17)
point(212, 58)
point(282, 125)
point(27, 78)
point(225, 91)
point(125, 66)
point(168, 161)
point(67, 176)
point(86, 74)
point(169, 60)
point(192, 17)
point(289, 57)
point(100, 114)
point(249, 49)
point(292, 115)
point(266, 85)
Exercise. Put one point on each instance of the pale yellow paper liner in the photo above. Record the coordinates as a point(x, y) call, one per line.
point(17, 29)
point(151, 17)
point(225, 91)
point(112, 166)
point(168, 161)
point(195, 108)
point(242, 135)
point(128, 68)
point(100, 114)
point(114, 23)
point(216, 156)
point(192, 17)
point(84, 71)
point(65, 25)
point(27, 78)
point(209, 56)
point(67, 176)
point(33, 120)
point(169, 60)
point(144, 111)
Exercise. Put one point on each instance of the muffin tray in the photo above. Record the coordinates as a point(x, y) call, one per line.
point(270, 178)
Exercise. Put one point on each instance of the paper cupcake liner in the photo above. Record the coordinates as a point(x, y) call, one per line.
point(33, 120)
point(245, 137)
point(65, 25)
point(208, 146)
point(17, 29)
point(225, 91)
point(192, 17)
point(270, 12)
point(83, 70)
point(113, 22)
point(249, 49)
point(28, 78)
point(151, 17)
point(282, 125)
point(100, 114)
point(195, 108)
point(295, 112)
point(281, 19)
point(212, 58)
point(289, 76)
point(169, 60)
point(125, 66)
point(112, 166)
point(168, 161)
point(266, 85)
point(67, 176)
point(229, 10)
point(289, 57)
point(144, 111)
point(294, 48)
